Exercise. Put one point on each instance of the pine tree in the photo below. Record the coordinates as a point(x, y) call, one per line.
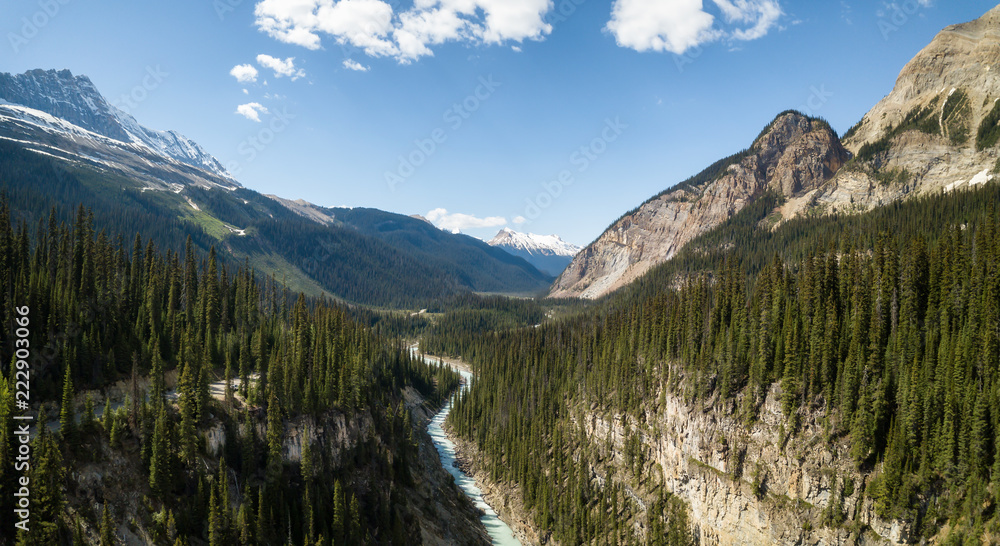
point(307, 470)
point(47, 476)
point(158, 387)
point(107, 529)
point(7, 474)
point(338, 520)
point(117, 425)
point(89, 421)
point(356, 533)
point(67, 415)
point(215, 535)
point(275, 433)
point(159, 469)
point(107, 416)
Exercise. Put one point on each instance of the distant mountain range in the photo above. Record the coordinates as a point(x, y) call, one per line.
point(62, 144)
point(548, 253)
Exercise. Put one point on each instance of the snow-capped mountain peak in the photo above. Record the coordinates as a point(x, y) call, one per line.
point(76, 100)
point(545, 245)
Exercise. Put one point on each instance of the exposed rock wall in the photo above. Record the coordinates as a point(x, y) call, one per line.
point(925, 131)
point(795, 155)
point(747, 484)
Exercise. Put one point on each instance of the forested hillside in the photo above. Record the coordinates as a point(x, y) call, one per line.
point(881, 331)
point(316, 443)
point(367, 263)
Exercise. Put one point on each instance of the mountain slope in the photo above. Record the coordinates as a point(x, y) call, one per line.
point(794, 155)
point(135, 185)
point(937, 130)
point(476, 264)
point(75, 99)
point(548, 253)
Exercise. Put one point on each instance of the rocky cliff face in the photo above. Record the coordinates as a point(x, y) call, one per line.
point(445, 516)
point(925, 135)
point(746, 485)
point(931, 133)
point(794, 155)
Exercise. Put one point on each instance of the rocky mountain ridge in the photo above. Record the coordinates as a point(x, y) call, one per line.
point(932, 132)
point(77, 100)
point(548, 253)
point(794, 155)
point(936, 131)
point(99, 156)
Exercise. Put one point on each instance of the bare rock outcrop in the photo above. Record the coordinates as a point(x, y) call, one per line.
point(746, 484)
point(923, 137)
point(794, 155)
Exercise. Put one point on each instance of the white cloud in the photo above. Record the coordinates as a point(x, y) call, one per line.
point(281, 67)
point(520, 219)
point(364, 24)
point(251, 111)
point(674, 26)
point(244, 73)
point(679, 25)
point(456, 222)
point(245, 92)
point(289, 21)
point(376, 29)
point(355, 65)
point(516, 20)
point(762, 15)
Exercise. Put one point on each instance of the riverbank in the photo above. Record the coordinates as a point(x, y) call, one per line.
point(474, 485)
point(506, 501)
point(505, 504)
point(453, 362)
point(445, 519)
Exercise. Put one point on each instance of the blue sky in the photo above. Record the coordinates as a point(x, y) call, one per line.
point(544, 116)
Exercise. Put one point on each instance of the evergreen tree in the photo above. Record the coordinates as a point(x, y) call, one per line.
point(67, 415)
point(107, 528)
point(275, 433)
point(159, 469)
point(47, 475)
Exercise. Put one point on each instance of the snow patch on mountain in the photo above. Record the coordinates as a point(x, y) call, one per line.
point(547, 253)
point(75, 101)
